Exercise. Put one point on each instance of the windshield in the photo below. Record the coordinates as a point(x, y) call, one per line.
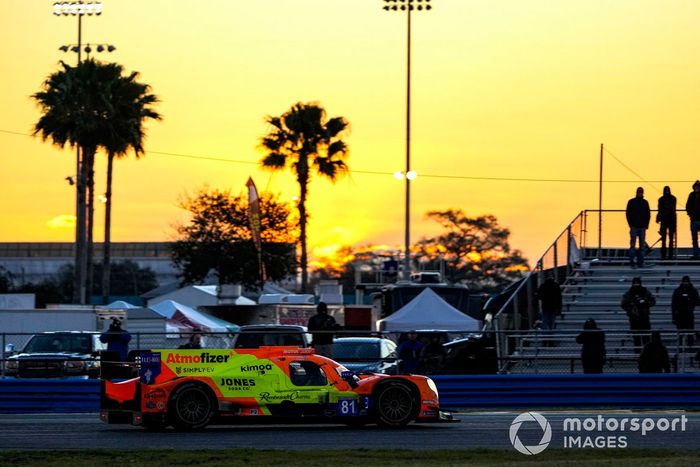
point(356, 350)
point(59, 343)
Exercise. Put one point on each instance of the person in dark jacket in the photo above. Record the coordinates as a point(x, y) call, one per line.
point(683, 303)
point(638, 215)
point(323, 324)
point(654, 356)
point(592, 341)
point(117, 339)
point(195, 342)
point(637, 302)
point(549, 294)
point(692, 207)
point(666, 218)
point(409, 352)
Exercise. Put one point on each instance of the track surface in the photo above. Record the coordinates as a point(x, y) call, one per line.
point(476, 430)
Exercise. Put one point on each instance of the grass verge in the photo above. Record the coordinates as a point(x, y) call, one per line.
point(350, 458)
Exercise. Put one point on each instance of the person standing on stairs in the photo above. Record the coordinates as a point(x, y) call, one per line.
point(637, 302)
point(692, 207)
point(638, 215)
point(666, 218)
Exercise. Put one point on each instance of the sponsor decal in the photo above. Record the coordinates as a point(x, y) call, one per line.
point(204, 357)
point(283, 396)
point(259, 368)
point(237, 384)
point(150, 367)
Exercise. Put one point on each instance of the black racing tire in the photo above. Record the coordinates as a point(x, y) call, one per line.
point(191, 407)
point(395, 404)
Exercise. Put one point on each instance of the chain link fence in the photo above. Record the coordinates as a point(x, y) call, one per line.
point(528, 352)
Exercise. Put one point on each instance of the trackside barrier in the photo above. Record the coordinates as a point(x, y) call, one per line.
point(621, 391)
point(49, 395)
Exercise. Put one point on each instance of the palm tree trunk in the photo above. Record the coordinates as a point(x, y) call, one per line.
point(108, 236)
point(87, 158)
point(79, 272)
point(90, 268)
point(303, 179)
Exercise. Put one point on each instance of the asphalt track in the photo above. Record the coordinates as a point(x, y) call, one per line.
point(476, 430)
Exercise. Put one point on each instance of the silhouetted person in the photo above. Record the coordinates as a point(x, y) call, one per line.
point(117, 339)
point(549, 294)
point(666, 218)
point(195, 342)
point(592, 341)
point(638, 215)
point(409, 353)
point(323, 323)
point(433, 356)
point(654, 356)
point(637, 302)
point(683, 303)
point(692, 207)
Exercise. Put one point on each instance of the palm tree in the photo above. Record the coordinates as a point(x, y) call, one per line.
point(71, 102)
point(92, 105)
point(303, 139)
point(131, 102)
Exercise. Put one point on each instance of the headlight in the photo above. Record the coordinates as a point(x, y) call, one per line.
point(74, 365)
point(432, 386)
point(12, 365)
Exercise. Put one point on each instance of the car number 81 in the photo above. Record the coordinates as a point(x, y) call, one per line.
point(347, 407)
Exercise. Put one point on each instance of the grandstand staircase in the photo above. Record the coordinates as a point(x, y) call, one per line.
point(594, 289)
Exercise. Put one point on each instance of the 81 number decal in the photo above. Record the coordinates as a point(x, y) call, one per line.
point(347, 407)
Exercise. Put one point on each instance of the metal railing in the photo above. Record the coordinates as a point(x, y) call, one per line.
point(583, 238)
point(520, 309)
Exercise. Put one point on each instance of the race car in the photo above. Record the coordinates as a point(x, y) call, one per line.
point(190, 389)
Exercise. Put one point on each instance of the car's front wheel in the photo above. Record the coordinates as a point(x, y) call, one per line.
point(396, 404)
point(191, 406)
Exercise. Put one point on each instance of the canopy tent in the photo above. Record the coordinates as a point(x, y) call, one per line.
point(428, 311)
point(183, 320)
point(120, 305)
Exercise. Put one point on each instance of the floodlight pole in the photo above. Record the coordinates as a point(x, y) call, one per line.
point(79, 293)
point(407, 6)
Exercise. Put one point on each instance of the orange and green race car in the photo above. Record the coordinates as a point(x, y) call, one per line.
point(190, 389)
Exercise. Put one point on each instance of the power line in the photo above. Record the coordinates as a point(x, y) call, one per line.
point(420, 175)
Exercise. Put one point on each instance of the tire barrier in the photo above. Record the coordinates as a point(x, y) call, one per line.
point(619, 391)
point(480, 392)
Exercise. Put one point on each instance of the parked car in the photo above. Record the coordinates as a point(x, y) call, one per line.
point(254, 336)
point(366, 354)
point(57, 355)
point(472, 355)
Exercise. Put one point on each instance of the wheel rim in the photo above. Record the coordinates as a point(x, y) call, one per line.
point(395, 404)
point(193, 406)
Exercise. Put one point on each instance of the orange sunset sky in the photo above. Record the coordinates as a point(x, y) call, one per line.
point(524, 89)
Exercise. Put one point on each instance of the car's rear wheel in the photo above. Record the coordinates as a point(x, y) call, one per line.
point(396, 404)
point(191, 406)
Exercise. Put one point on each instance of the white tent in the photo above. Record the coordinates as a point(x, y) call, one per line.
point(182, 320)
point(195, 296)
point(428, 311)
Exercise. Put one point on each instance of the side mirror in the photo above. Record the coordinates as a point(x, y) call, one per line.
point(10, 348)
point(349, 377)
